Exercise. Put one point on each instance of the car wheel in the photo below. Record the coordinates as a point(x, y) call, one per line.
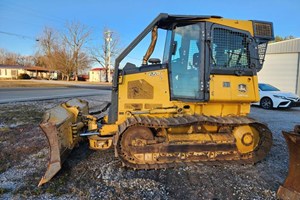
point(266, 103)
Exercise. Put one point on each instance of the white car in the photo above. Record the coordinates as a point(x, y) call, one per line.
point(272, 97)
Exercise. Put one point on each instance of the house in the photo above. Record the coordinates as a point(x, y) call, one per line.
point(38, 72)
point(99, 75)
point(11, 71)
point(282, 66)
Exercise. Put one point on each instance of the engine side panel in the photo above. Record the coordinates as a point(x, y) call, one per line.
point(143, 91)
point(225, 88)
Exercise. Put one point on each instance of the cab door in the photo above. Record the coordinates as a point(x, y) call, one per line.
point(186, 64)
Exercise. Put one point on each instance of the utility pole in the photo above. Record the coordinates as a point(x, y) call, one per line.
point(108, 40)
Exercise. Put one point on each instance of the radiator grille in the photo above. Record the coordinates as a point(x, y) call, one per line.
point(263, 29)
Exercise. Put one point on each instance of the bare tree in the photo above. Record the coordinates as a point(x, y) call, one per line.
point(2, 56)
point(100, 55)
point(26, 60)
point(48, 43)
point(64, 51)
point(10, 58)
point(74, 39)
point(63, 62)
point(40, 60)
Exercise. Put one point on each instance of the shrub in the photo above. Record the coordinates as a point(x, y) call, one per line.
point(24, 76)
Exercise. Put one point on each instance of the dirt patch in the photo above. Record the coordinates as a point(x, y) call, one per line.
point(89, 174)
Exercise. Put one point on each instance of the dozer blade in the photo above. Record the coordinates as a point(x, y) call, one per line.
point(291, 186)
point(61, 125)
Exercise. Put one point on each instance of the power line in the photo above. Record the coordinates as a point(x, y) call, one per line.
point(19, 35)
point(33, 12)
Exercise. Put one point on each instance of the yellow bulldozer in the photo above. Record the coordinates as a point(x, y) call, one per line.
point(190, 106)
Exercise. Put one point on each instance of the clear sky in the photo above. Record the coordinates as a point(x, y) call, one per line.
point(21, 21)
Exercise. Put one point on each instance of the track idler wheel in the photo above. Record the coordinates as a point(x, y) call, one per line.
point(247, 138)
point(291, 186)
point(135, 137)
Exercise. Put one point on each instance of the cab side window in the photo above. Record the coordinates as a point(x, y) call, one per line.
point(230, 49)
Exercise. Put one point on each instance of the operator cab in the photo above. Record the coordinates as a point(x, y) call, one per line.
point(196, 48)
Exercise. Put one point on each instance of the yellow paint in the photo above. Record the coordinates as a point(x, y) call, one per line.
point(108, 129)
point(92, 123)
point(226, 99)
point(201, 138)
point(247, 138)
point(158, 79)
point(225, 88)
point(238, 24)
point(98, 143)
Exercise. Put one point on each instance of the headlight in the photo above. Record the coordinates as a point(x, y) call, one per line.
point(278, 96)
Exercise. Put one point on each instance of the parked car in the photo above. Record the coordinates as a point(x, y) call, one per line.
point(272, 97)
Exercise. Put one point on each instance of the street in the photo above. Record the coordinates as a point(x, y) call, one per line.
point(9, 95)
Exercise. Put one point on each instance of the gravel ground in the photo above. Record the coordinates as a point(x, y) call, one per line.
point(89, 174)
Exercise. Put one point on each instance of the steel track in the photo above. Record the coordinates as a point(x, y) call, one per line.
point(258, 154)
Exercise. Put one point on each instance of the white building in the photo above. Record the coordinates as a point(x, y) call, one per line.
point(99, 75)
point(281, 66)
point(11, 71)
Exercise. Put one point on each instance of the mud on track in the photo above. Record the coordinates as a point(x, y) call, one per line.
point(89, 174)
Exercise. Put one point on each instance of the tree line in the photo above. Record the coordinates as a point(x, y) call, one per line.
point(279, 38)
point(68, 51)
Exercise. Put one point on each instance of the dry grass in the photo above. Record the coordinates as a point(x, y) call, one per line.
point(26, 83)
point(45, 83)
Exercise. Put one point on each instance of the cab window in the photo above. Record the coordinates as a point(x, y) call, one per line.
point(229, 49)
point(185, 62)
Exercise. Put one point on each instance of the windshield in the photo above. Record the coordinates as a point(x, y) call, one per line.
point(267, 87)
